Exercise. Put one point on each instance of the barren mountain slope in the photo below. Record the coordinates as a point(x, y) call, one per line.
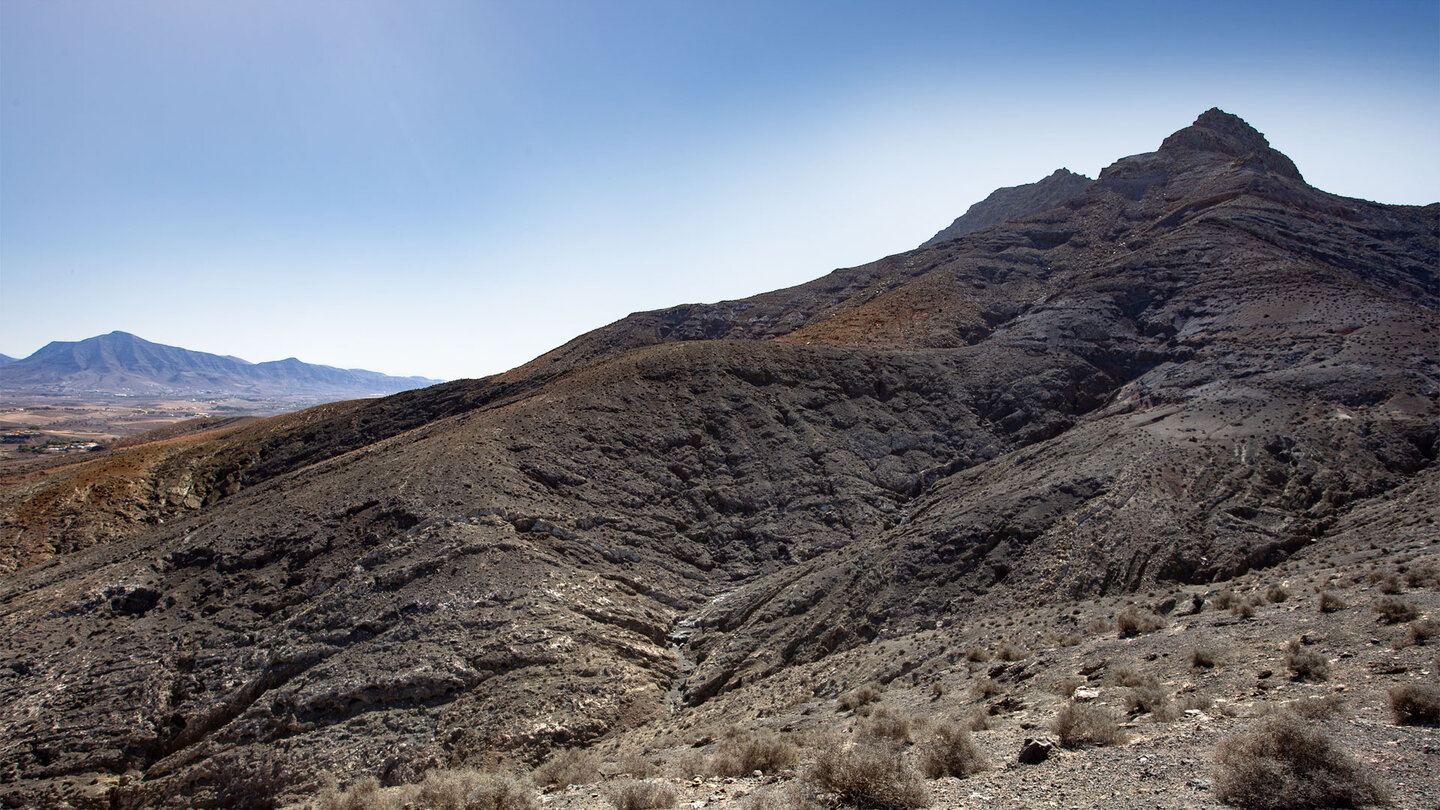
point(1198, 366)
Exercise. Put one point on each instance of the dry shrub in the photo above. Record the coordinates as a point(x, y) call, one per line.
point(1416, 704)
point(1125, 674)
point(1011, 652)
point(986, 688)
point(1317, 708)
point(976, 655)
point(1078, 725)
point(1283, 762)
point(979, 721)
point(1224, 599)
point(1243, 608)
point(573, 766)
point(1423, 574)
point(1390, 584)
point(859, 696)
point(1065, 687)
point(1097, 626)
point(365, 794)
point(889, 723)
point(1154, 701)
point(790, 797)
point(1305, 664)
point(1205, 656)
point(640, 794)
point(1132, 622)
point(1196, 700)
point(765, 751)
point(501, 791)
point(1393, 610)
point(442, 789)
point(638, 766)
point(867, 773)
point(949, 751)
point(1277, 593)
point(1331, 602)
point(1422, 630)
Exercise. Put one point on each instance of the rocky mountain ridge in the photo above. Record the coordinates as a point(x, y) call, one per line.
point(1015, 202)
point(1197, 367)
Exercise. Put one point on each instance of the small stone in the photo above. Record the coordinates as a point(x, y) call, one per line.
point(1087, 694)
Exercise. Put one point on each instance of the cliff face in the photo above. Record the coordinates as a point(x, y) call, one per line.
point(1195, 366)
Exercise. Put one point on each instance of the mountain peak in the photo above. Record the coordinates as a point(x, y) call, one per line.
point(1219, 132)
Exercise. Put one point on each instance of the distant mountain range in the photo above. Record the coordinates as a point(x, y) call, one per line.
point(121, 363)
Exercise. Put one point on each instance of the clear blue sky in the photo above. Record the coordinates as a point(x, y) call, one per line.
point(451, 188)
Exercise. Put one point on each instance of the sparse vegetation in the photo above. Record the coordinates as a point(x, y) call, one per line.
point(948, 750)
point(572, 766)
point(859, 696)
point(1331, 602)
point(1132, 622)
point(1283, 762)
point(1416, 704)
point(1394, 610)
point(1079, 725)
point(765, 751)
point(442, 789)
point(1305, 664)
point(1011, 652)
point(1204, 656)
point(889, 723)
point(1152, 700)
point(1276, 593)
point(640, 794)
point(866, 773)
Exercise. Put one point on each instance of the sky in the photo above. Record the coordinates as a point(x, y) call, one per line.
point(451, 188)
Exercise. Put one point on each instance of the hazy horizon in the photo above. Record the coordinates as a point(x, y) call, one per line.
point(449, 189)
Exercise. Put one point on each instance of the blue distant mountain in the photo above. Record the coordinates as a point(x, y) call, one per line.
point(121, 363)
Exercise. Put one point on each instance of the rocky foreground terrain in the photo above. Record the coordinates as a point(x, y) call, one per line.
point(1115, 451)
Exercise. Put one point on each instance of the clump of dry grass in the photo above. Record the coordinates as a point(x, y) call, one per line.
point(1151, 699)
point(889, 723)
point(1276, 593)
point(1132, 622)
point(1205, 656)
point(572, 766)
point(948, 750)
point(1394, 610)
point(1123, 673)
point(1305, 664)
point(1011, 652)
point(1065, 686)
point(866, 773)
point(1078, 725)
point(441, 789)
point(1283, 762)
point(1419, 632)
point(743, 754)
point(859, 696)
point(1331, 602)
point(1416, 704)
point(640, 794)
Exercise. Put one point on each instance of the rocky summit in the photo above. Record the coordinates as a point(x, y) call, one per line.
point(1146, 395)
